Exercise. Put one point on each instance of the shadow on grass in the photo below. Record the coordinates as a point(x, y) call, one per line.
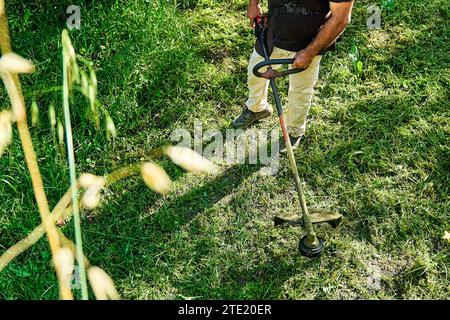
point(170, 216)
point(397, 142)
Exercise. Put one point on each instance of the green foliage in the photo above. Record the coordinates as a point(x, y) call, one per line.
point(376, 148)
point(388, 4)
point(357, 65)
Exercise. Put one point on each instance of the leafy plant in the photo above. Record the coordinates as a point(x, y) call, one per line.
point(357, 65)
point(388, 4)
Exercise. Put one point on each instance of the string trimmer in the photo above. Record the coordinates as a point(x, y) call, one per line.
point(310, 245)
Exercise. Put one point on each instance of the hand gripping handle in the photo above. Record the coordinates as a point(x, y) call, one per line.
point(273, 73)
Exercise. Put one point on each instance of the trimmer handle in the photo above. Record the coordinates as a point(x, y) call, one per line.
point(261, 24)
point(273, 73)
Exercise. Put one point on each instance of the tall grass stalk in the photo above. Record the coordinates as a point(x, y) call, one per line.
point(63, 249)
point(73, 176)
point(14, 90)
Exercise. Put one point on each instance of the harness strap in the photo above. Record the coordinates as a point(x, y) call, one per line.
point(294, 10)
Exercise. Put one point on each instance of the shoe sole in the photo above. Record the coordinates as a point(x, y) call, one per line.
point(250, 124)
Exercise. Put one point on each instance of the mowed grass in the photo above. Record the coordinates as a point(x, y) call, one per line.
point(376, 150)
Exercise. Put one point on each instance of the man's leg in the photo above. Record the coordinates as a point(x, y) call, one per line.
point(301, 88)
point(256, 107)
point(257, 87)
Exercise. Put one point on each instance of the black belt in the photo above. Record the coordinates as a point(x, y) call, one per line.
point(294, 43)
point(290, 10)
point(297, 45)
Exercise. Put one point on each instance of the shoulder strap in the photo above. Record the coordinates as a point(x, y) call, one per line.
point(294, 10)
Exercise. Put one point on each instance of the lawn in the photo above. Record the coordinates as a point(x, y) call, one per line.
point(377, 150)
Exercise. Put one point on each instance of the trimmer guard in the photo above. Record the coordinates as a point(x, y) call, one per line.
point(317, 216)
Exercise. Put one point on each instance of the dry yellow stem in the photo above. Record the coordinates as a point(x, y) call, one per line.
point(61, 210)
point(29, 240)
point(12, 85)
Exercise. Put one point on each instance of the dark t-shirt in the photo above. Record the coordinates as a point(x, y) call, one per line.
point(295, 32)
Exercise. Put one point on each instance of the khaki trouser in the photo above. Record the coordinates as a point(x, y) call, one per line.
point(301, 87)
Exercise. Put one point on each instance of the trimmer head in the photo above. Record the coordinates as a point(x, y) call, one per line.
point(317, 216)
point(306, 248)
point(310, 251)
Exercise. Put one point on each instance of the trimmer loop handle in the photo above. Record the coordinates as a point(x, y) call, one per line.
point(261, 24)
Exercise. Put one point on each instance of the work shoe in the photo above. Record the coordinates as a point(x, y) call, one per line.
point(248, 117)
point(295, 142)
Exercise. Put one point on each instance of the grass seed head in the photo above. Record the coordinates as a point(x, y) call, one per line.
point(60, 132)
point(156, 178)
point(14, 64)
point(88, 179)
point(92, 97)
point(93, 79)
point(446, 236)
point(76, 72)
point(64, 262)
point(52, 116)
point(34, 113)
point(111, 131)
point(67, 45)
point(84, 83)
point(91, 197)
point(102, 284)
point(5, 130)
point(71, 52)
point(191, 160)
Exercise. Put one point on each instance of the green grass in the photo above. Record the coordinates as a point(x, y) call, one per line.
point(377, 150)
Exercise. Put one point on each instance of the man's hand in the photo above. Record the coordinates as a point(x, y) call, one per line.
point(329, 32)
point(303, 59)
point(253, 11)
